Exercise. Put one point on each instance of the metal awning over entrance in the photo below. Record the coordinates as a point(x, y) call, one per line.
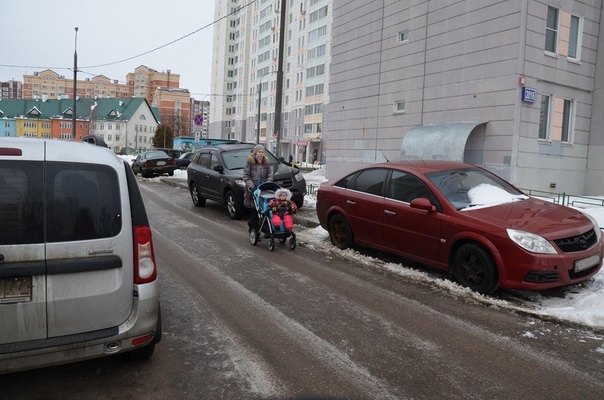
point(458, 141)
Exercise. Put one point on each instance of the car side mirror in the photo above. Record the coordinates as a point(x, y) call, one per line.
point(422, 203)
point(219, 168)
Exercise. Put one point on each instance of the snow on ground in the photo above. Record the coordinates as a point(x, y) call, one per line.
point(581, 304)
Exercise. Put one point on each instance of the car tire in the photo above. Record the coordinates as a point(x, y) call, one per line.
point(234, 209)
point(340, 232)
point(474, 268)
point(198, 200)
point(171, 173)
point(299, 202)
point(134, 170)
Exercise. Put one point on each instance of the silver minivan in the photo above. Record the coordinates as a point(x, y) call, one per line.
point(78, 277)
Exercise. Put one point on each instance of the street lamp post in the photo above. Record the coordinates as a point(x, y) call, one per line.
point(260, 106)
point(75, 84)
point(279, 95)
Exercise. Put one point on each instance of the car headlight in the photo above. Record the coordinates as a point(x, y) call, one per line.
point(240, 182)
point(531, 242)
point(596, 225)
point(299, 176)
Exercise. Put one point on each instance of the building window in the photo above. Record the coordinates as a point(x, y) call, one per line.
point(574, 42)
point(399, 106)
point(551, 29)
point(403, 37)
point(567, 120)
point(556, 119)
point(544, 116)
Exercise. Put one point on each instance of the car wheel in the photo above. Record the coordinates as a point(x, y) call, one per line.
point(135, 171)
point(474, 268)
point(198, 200)
point(171, 173)
point(340, 232)
point(299, 203)
point(234, 209)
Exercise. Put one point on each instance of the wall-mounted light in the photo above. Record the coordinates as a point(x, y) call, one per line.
point(521, 81)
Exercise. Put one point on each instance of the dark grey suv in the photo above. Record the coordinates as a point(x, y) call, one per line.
point(216, 173)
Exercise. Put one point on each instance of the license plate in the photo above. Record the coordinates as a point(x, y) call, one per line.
point(161, 163)
point(15, 290)
point(587, 263)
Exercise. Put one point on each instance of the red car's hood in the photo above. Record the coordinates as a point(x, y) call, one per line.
point(535, 216)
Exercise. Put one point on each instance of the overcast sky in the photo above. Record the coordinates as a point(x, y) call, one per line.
point(40, 34)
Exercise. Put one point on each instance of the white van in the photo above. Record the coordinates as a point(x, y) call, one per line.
point(78, 277)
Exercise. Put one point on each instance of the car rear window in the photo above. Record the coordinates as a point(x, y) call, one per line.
point(82, 201)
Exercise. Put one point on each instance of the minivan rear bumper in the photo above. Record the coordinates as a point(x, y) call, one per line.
point(143, 321)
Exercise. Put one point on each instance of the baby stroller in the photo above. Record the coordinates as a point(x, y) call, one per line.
point(263, 194)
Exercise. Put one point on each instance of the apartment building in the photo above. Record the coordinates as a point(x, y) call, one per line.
point(48, 84)
point(246, 69)
point(161, 89)
point(514, 86)
point(11, 90)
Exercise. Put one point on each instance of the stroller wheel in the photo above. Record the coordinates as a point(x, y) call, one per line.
point(253, 237)
point(282, 240)
point(292, 242)
point(271, 244)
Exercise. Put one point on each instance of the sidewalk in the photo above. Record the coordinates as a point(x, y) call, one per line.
point(306, 216)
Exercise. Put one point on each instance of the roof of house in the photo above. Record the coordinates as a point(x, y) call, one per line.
point(118, 109)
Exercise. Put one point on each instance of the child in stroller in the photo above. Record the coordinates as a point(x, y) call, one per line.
point(262, 196)
point(283, 210)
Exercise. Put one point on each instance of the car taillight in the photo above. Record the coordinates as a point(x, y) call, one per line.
point(172, 161)
point(145, 270)
point(147, 164)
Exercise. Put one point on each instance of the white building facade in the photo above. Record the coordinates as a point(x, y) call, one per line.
point(245, 71)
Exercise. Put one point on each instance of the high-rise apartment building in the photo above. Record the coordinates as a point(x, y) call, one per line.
point(11, 90)
point(245, 73)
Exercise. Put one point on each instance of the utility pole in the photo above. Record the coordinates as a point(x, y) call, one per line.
point(75, 85)
point(279, 94)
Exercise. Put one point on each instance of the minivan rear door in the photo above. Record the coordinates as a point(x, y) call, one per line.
point(89, 249)
point(22, 266)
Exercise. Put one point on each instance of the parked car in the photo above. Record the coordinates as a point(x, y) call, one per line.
point(78, 275)
point(462, 219)
point(174, 153)
point(216, 173)
point(153, 162)
point(183, 161)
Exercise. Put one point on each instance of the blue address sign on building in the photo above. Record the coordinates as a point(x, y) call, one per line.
point(529, 95)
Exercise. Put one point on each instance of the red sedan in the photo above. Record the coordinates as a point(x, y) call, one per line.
point(463, 219)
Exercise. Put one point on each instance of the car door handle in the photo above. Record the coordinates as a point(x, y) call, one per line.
point(351, 202)
point(389, 212)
